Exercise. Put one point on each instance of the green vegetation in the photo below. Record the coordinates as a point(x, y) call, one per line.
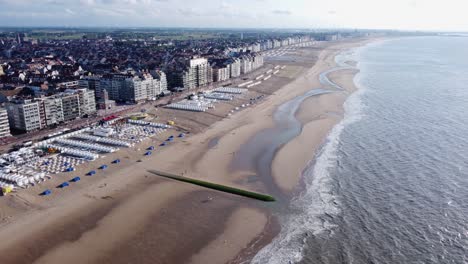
point(219, 187)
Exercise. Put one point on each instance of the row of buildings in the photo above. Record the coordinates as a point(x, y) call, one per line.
point(198, 71)
point(71, 79)
point(126, 87)
point(33, 114)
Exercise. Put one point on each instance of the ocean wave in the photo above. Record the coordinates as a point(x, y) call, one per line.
point(313, 209)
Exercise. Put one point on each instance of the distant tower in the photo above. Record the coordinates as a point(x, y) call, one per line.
point(19, 39)
point(242, 35)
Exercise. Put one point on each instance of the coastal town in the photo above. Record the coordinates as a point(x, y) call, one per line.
point(74, 98)
point(233, 132)
point(165, 148)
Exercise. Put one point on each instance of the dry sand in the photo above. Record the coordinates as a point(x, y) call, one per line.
point(126, 215)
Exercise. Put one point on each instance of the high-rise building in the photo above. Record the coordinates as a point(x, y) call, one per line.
point(133, 88)
point(51, 110)
point(87, 101)
point(4, 123)
point(91, 83)
point(221, 74)
point(235, 68)
point(70, 106)
point(114, 84)
point(24, 115)
point(197, 74)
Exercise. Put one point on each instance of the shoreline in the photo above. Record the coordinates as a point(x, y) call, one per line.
point(165, 208)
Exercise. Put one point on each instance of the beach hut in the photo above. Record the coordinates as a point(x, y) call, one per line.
point(91, 173)
point(103, 167)
point(116, 161)
point(63, 185)
point(76, 179)
point(46, 192)
point(148, 153)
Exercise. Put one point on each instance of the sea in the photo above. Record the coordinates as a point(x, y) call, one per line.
point(390, 184)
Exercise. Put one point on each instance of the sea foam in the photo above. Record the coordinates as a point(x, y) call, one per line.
point(310, 208)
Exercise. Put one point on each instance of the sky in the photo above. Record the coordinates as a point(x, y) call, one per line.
point(437, 15)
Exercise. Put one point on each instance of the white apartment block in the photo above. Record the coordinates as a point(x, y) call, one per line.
point(24, 115)
point(52, 111)
point(87, 100)
point(221, 74)
point(235, 68)
point(4, 123)
point(198, 73)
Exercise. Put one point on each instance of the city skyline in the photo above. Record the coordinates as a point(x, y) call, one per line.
point(363, 14)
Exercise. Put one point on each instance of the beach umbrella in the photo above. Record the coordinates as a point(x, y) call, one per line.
point(46, 192)
point(76, 179)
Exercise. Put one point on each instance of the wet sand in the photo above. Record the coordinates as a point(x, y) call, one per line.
point(126, 215)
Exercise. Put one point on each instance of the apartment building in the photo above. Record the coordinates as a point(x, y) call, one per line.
point(51, 111)
point(235, 68)
point(70, 106)
point(24, 115)
point(4, 123)
point(197, 74)
point(221, 73)
point(87, 101)
point(133, 88)
point(91, 83)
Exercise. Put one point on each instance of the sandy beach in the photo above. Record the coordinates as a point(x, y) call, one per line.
point(127, 215)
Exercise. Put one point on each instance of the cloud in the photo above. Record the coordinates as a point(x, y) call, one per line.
point(69, 11)
point(282, 12)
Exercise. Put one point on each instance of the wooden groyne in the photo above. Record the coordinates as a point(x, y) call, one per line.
point(218, 187)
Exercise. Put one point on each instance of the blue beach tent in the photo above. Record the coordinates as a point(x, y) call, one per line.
point(63, 185)
point(116, 161)
point(148, 153)
point(91, 173)
point(70, 169)
point(46, 192)
point(181, 135)
point(150, 148)
point(76, 179)
point(103, 167)
point(163, 144)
